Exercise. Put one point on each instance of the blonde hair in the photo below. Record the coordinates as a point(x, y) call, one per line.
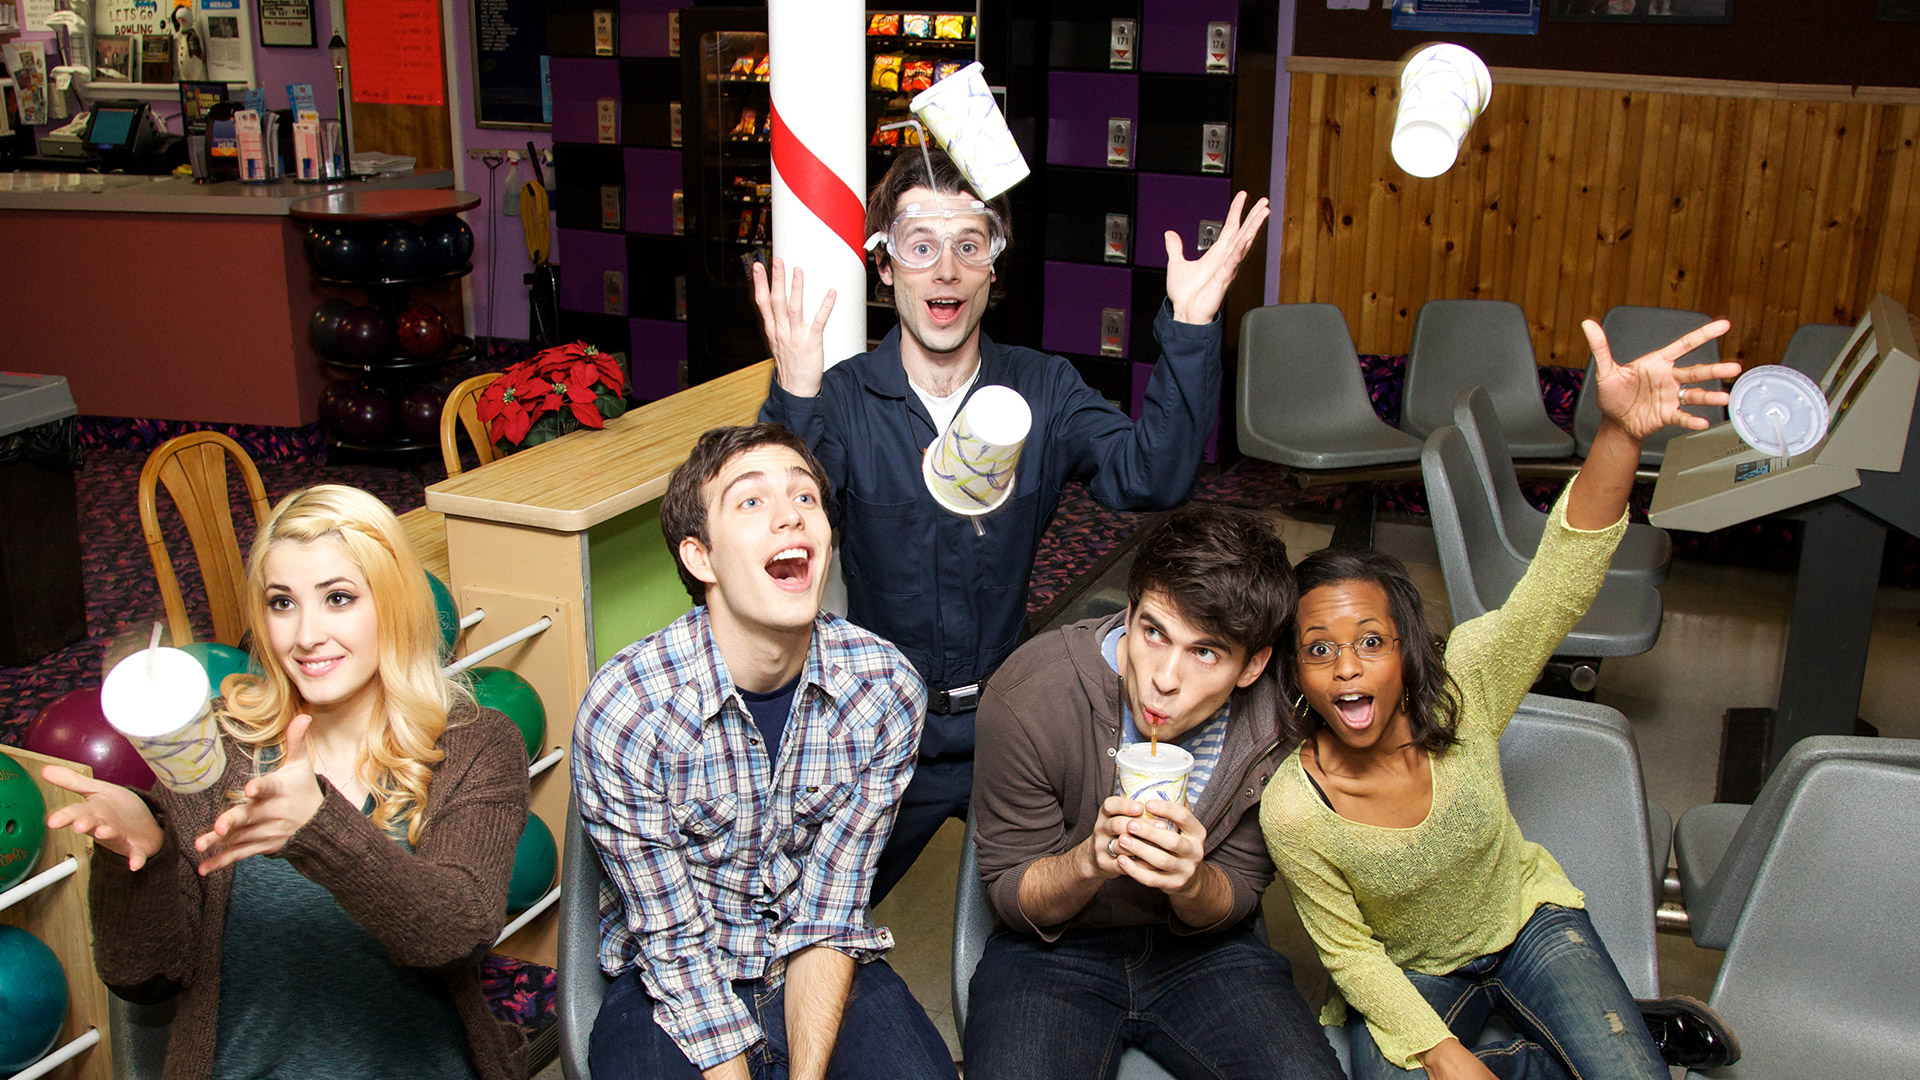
point(412, 696)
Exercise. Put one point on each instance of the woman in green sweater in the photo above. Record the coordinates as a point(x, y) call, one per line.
point(1391, 823)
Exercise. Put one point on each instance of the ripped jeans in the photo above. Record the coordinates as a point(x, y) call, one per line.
point(1557, 988)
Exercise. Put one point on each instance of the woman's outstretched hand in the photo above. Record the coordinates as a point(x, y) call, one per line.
point(278, 805)
point(116, 818)
point(1646, 395)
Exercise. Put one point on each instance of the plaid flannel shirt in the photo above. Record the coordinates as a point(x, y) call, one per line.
point(721, 863)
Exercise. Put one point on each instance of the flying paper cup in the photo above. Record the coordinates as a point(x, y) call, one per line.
point(1146, 774)
point(1450, 65)
point(1443, 89)
point(970, 468)
point(960, 112)
point(163, 711)
point(1426, 141)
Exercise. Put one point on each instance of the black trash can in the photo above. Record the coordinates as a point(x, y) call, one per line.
point(43, 603)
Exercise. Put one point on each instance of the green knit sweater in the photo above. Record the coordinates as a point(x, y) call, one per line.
point(1381, 901)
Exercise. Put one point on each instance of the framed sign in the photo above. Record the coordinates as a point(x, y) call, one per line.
point(509, 64)
point(1641, 11)
point(286, 24)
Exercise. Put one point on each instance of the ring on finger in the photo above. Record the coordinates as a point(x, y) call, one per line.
point(1683, 394)
point(1111, 853)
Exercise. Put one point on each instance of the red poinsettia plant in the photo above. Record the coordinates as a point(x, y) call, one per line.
point(562, 389)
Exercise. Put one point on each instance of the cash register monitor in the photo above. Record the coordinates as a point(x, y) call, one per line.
point(114, 128)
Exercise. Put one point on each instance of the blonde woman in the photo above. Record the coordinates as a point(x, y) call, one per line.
point(386, 805)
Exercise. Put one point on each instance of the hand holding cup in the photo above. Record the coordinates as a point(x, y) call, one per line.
point(278, 805)
point(1164, 854)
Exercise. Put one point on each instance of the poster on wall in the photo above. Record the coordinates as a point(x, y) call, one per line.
point(509, 55)
point(1643, 11)
point(225, 33)
point(393, 51)
point(286, 24)
point(1468, 16)
point(28, 62)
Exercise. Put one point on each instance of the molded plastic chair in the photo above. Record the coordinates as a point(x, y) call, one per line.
point(1812, 348)
point(1462, 343)
point(1302, 400)
point(193, 468)
point(1645, 551)
point(581, 984)
point(460, 412)
point(1633, 332)
point(1818, 980)
point(1480, 571)
point(1720, 846)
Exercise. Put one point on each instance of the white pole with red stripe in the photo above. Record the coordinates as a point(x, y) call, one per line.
point(817, 60)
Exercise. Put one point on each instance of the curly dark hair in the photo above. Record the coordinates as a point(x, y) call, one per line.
point(683, 509)
point(1433, 698)
point(1224, 568)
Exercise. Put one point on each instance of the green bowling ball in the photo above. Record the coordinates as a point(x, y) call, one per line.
point(498, 688)
point(33, 999)
point(23, 823)
point(536, 859)
point(220, 661)
point(449, 614)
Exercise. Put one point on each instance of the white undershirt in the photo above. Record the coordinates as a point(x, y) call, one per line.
point(942, 409)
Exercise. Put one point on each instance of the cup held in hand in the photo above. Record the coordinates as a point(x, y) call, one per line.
point(158, 698)
point(970, 468)
point(1148, 773)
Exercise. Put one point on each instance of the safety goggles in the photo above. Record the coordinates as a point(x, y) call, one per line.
point(921, 231)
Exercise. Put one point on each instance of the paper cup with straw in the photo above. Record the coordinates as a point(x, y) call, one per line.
point(159, 699)
point(1443, 90)
point(960, 112)
point(1158, 771)
point(969, 468)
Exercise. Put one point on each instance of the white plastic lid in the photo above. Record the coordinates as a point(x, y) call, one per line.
point(1171, 760)
point(1772, 400)
point(147, 704)
point(1423, 148)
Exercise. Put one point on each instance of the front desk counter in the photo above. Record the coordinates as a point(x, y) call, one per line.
point(570, 530)
point(164, 299)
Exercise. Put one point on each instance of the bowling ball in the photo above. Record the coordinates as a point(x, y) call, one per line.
point(219, 661)
point(498, 688)
point(73, 728)
point(23, 823)
point(422, 330)
point(310, 241)
point(449, 614)
point(420, 412)
point(324, 325)
point(365, 336)
point(33, 999)
point(404, 252)
point(450, 241)
point(347, 252)
point(367, 415)
point(535, 861)
point(332, 402)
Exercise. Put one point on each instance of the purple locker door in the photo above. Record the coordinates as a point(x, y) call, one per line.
point(1143, 372)
point(652, 178)
point(1179, 203)
point(1079, 106)
point(643, 27)
point(584, 285)
point(578, 87)
point(1077, 298)
point(659, 357)
point(1173, 34)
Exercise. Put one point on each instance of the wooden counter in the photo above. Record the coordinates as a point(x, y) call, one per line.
point(570, 530)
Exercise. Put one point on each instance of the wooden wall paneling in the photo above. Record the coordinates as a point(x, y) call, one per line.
point(1383, 249)
point(1901, 210)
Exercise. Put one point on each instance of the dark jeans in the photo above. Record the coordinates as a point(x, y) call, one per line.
point(1211, 1006)
point(940, 789)
point(1560, 991)
point(884, 1034)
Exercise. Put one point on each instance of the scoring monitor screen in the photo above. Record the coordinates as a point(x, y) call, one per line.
point(112, 128)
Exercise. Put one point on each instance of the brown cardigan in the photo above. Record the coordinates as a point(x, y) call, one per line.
point(157, 932)
point(1046, 735)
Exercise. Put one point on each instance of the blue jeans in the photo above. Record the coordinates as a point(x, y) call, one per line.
point(1558, 988)
point(940, 789)
point(884, 1034)
point(1211, 1006)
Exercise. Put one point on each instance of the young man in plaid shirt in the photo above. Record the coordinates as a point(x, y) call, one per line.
point(738, 773)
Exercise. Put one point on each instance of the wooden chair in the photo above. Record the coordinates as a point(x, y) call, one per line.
point(194, 470)
point(461, 412)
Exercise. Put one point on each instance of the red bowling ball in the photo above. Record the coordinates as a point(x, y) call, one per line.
point(365, 336)
point(422, 331)
point(73, 728)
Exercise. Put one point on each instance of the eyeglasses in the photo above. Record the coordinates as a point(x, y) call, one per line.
point(1366, 647)
point(921, 232)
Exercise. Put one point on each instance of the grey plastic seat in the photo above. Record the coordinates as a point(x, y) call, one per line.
point(581, 985)
point(139, 1035)
point(1633, 332)
point(1720, 846)
point(1574, 784)
point(1818, 980)
point(1645, 551)
point(1812, 348)
point(1302, 401)
point(1480, 571)
point(1462, 343)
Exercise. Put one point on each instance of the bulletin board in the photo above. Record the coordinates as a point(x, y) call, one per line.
point(393, 47)
point(510, 64)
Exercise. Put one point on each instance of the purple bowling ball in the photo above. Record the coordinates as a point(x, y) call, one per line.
point(365, 336)
point(450, 241)
point(404, 252)
point(333, 403)
point(420, 412)
point(73, 728)
point(367, 414)
point(324, 325)
point(347, 252)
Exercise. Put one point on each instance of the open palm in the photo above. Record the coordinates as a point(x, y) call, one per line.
point(1646, 395)
point(1197, 286)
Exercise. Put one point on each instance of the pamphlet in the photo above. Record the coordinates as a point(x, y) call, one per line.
point(27, 60)
point(226, 40)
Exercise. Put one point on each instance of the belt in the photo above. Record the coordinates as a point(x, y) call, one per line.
point(958, 699)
